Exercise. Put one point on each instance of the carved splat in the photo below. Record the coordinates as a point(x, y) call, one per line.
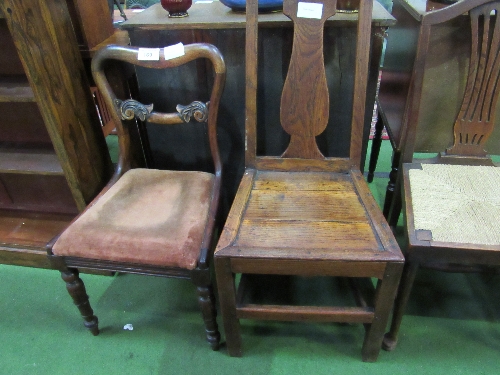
point(476, 118)
point(304, 102)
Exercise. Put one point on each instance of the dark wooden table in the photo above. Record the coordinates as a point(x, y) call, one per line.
point(215, 23)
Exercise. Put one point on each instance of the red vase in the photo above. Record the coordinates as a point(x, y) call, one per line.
point(176, 8)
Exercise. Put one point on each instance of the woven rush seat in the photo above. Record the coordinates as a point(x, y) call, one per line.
point(149, 217)
point(457, 203)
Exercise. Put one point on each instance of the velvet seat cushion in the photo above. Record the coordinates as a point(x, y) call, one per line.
point(148, 216)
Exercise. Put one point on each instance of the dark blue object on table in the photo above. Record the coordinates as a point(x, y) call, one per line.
point(264, 5)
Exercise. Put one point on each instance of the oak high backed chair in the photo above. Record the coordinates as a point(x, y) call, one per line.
point(302, 213)
point(452, 202)
point(146, 221)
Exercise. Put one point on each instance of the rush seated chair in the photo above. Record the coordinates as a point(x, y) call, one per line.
point(147, 221)
point(451, 203)
point(301, 213)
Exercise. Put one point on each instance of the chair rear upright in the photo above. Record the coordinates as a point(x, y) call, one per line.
point(304, 108)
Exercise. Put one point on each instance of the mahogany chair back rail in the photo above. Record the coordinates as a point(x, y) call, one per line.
point(440, 194)
point(148, 221)
point(301, 213)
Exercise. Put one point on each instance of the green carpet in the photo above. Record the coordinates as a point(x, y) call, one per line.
point(452, 327)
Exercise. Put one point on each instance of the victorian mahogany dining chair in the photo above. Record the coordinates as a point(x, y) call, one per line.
point(147, 221)
point(301, 213)
point(452, 202)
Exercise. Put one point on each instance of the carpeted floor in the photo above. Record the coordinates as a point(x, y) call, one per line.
point(452, 327)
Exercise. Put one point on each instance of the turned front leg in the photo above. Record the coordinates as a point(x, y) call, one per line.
point(206, 301)
point(76, 289)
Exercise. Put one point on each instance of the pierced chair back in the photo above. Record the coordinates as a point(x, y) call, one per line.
point(131, 109)
point(476, 118)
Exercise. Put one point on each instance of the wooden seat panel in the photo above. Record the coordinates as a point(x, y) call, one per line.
point(303, 181)
point(302, 217)
point(311, 205)
point(321, 197)
point(303, 236)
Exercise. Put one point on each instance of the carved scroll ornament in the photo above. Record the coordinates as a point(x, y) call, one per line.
point(131, 108)
point(196, 109)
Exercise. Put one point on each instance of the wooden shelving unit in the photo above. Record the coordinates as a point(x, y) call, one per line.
point(15, 88)
point(53, 157)
point(22, 161)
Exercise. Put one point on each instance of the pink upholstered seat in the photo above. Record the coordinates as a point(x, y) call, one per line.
point(149, 217)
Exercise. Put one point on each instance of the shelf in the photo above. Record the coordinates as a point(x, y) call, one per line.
point(53, 156)
point(26, 161)
point(15, 89)
point(23, 236)
point(215, 15)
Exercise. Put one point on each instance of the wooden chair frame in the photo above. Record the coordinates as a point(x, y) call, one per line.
point(304, 161)
point(473, 125)
point(124, 116)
